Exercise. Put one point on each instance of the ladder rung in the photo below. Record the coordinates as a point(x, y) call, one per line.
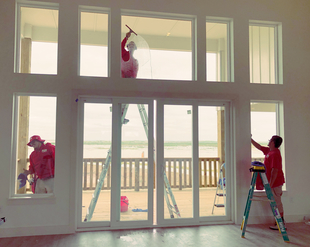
point(220, 194)
point(261, 199)
point(219, 205)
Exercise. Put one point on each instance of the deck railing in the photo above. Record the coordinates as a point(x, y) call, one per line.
point(134, 173)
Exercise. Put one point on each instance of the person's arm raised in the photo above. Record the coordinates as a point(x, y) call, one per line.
point(255, 144)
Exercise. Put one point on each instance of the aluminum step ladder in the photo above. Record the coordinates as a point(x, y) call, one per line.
point(259, 168)
point(173, 209)
point(220, 191)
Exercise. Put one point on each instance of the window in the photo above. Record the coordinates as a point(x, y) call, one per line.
point(34, 115)
point(36, 39)
point(266, 121)
point(93, 43)
point(218, 51)
point(265, 53)
point(164, 46)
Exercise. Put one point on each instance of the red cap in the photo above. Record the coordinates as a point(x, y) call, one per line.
point(35, 137)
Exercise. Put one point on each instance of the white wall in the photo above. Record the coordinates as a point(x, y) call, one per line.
point(57, 215)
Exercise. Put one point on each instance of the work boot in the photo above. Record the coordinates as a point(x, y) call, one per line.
point(275, 226)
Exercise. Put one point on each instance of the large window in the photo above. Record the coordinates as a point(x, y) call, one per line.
point(266, 121)
point(218, 51)
point(33, 116)
point(265, 53)
point(164, 46)
point(93, 42)
point(36, 39)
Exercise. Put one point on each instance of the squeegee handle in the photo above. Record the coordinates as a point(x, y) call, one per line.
point(132, 31)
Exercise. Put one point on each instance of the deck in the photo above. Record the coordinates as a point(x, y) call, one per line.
point(138, 200)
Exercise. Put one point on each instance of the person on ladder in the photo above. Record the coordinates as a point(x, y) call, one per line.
point(129, 65)
point(274, 172)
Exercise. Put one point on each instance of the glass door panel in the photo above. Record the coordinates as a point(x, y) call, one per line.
point(134, 164)
point(178, 159)
point(211, 134)
point(96, 146)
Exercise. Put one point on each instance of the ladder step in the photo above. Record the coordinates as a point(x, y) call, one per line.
point(219, 205)
point(220, 194)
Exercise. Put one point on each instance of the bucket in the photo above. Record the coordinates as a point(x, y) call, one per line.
point(124, 203)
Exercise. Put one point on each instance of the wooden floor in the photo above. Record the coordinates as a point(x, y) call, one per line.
point(138, 200)
point(215, 235)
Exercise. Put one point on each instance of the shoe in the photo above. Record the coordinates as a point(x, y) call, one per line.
point(274, 227)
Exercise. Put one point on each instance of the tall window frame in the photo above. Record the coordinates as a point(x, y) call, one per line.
point(17, 48)
point(95, 10)
point(224, 51)
point(25, 109)
point(265, 39)
point(278, 129)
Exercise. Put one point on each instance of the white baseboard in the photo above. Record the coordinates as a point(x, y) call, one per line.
point(34, 231)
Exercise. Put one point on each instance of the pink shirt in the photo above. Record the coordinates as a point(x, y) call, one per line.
point(42, 161)
point(129, 65)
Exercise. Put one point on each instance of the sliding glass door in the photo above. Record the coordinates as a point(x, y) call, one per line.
point(137, 172)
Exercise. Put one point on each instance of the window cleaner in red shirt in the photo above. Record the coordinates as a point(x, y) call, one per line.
point(129, 65)
point(274, 172)
point(42, 164)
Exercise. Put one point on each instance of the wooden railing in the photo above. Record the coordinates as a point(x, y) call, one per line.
point(134, 173)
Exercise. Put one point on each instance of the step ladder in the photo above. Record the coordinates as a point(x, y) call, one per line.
point(220, 191)
point(173, 209)
point(259, 168)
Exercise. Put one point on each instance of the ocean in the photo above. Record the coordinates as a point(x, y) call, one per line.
point(137, 149)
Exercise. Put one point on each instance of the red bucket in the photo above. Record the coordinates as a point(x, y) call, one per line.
point(124, 203)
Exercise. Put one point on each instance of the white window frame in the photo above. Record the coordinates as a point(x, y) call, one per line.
point(278, 63)
point(115, 222)
point(28, 4)
point(191, 18)
point(229, 46)
point(195, 220)
point(14, 140)
point(99, 10)
point(279, 128)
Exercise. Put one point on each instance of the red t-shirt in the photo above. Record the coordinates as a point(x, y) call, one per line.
point(129, 65)
point(273, 159)
point(42, 161)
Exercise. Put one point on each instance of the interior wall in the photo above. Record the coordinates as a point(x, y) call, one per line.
point(57, 215)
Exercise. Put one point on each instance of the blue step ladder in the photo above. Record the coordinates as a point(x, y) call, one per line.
point(259, 168)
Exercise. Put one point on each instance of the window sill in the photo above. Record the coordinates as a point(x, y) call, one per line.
point(31, 198)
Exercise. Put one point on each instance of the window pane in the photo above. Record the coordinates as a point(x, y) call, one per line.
point(134, 165)
point(36, 117)
point(38, 44)
point(265, 119)
point(94, 44)
point(97, 162)
point(263, 125)
point(164, 48)
point(178, 160)
point(212, 182)
point(217, 51)
point(262, 54)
